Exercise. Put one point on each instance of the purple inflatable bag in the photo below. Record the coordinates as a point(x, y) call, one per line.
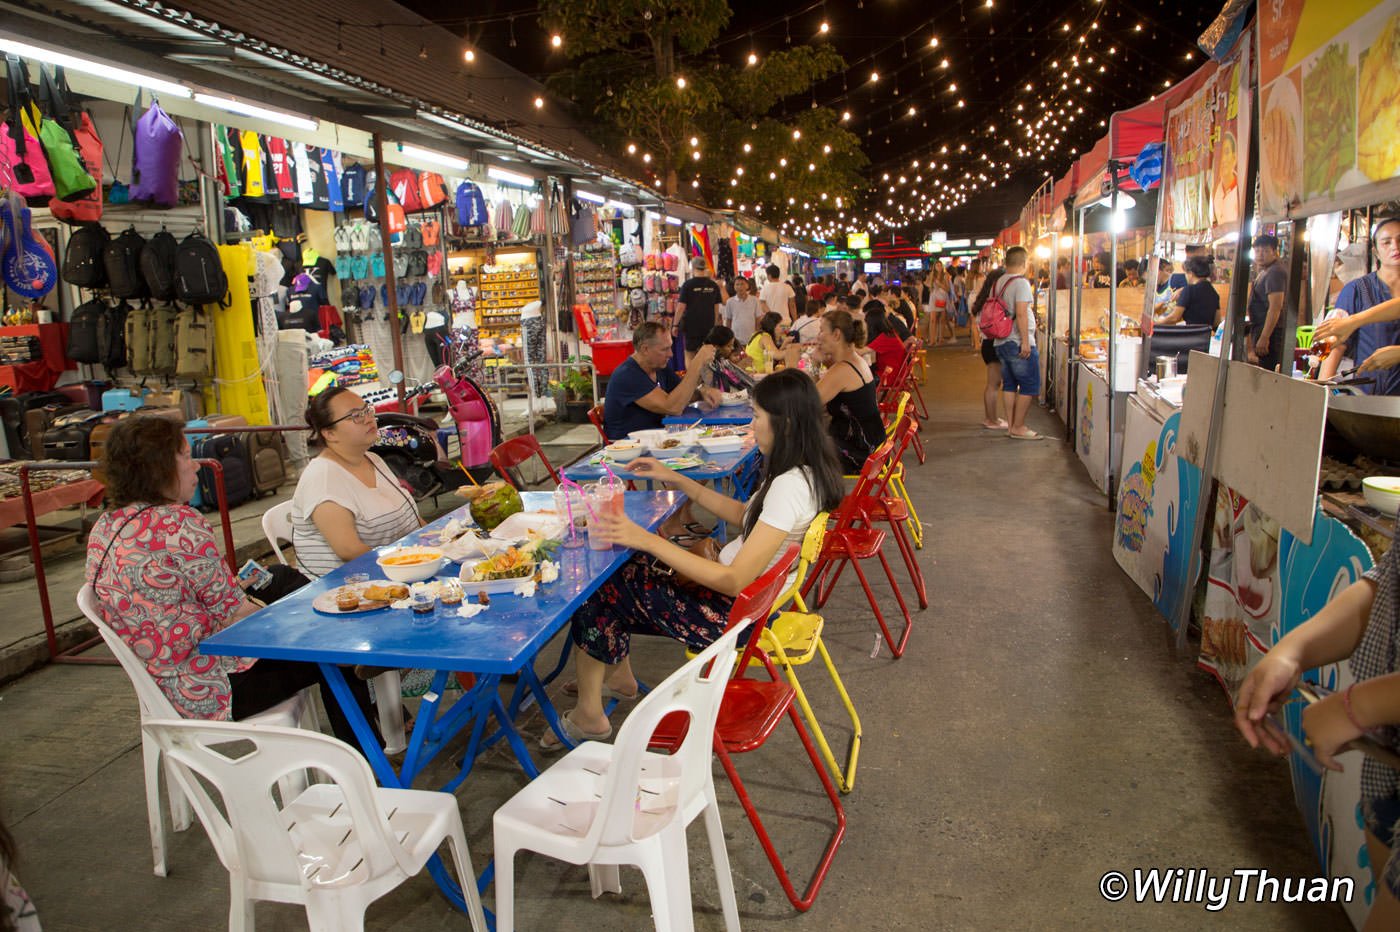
point(155, 157)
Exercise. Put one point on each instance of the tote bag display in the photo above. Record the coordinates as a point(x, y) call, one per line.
point(20, 150)
point(88, 208)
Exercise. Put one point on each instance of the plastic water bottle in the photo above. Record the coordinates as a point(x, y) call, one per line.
point(1217, 338)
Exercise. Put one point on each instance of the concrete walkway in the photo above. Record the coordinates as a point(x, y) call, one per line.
point(1037, 733)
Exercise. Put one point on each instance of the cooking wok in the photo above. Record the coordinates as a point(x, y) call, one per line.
point(1370, 423)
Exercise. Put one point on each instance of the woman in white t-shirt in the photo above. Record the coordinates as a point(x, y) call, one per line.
point(801, 477)
point(347, 501)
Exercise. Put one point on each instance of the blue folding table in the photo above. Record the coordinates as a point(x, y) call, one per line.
point(729, 415)
point(739, 469)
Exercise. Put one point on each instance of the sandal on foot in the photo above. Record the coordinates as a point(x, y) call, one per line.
point(571, 689)
point(549, 741)
point(1030, 435)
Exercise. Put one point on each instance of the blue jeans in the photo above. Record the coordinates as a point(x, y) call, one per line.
point(1021, 376)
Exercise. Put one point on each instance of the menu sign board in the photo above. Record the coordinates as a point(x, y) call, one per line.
point(1329, 105)
point(1204, 161)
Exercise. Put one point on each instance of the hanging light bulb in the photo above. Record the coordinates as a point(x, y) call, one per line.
point(539, 103)
point(556, 40)
point(748, 148)
point(845, 116)
point(797, 134)
point(753, 58)
point(824, 28)
point(874, 76)
point(469, 55)
point(680, 83)
point(694, 141)
point(631, 148)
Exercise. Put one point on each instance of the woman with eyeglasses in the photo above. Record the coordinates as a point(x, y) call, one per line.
point(347, 501)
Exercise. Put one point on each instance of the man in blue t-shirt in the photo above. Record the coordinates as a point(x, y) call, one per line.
point(645, 389)
point(1366, 292)
point(1263, 346)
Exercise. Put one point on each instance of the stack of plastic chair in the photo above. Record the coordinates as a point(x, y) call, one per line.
point(153, 704)
point(508, 456)
point(605, 805)
point(853, 541)
point(896, 413)
point(751, 712)
point(894, 409)
point(335, 848)
point(388, 686)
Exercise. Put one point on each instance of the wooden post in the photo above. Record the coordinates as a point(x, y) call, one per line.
point(381, 206)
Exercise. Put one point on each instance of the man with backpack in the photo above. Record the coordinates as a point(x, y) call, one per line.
point(1006, 317)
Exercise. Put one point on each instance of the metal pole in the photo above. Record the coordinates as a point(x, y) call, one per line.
point(1076, 305)
point(1239, 298)
point(1291, 299)
point(1112, 323)
point(381, 199)
point(1053, 387)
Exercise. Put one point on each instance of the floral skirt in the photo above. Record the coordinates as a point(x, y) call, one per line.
point(638, 599)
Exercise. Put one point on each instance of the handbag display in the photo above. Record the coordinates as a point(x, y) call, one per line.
point(20, 150)
point(88, 207)
point(71, 179)
point(155, 158)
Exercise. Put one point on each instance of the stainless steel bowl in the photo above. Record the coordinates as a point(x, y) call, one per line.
point(1371, 423)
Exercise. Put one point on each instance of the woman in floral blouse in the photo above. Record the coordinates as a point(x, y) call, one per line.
point(162, 586)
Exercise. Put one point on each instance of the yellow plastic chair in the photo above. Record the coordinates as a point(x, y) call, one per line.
point(794, 637)
point(895, 479)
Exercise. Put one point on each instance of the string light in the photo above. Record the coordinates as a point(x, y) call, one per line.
point(680, 83)
point(556, 40)
point(539, 103)
point(469, 55)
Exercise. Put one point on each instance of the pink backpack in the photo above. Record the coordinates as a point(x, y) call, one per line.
point(155, 158)
point(996, 319)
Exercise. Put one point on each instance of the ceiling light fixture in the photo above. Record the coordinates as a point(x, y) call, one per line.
point(96, 69)
point(436, 158)
point(256, 112)
point(513, 179)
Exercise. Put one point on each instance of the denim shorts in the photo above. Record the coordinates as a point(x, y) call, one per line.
point(1021, 376)
point(1382, 819)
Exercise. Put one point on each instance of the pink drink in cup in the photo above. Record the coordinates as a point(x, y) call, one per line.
point(602, 499)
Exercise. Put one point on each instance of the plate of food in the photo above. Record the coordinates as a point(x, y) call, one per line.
point(685, 461)
point(499, 573)
point(730, 399)
point(357, 598)
point(1281, 146)
point(546, 524)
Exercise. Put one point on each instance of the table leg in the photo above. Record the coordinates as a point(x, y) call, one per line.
point(422, 725)
point(369, 742)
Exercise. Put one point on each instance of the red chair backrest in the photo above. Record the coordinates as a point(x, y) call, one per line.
point(756, 602)
point(870, 482)
point(595, 414)
point(515, 451)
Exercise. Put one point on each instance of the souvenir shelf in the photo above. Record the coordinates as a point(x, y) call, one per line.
point(595, 278)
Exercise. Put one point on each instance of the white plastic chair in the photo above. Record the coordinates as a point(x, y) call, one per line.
point(607, 805)
point(335, 848)
point(154, 705)
point(388, 687)
point(277, 527)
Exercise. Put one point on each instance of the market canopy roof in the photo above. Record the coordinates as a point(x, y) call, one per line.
point(1129, 131)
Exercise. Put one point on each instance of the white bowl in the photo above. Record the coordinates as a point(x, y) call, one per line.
point(412, 572)
point(721, 444)
point(1382, 493)
point(681, 442)
point(625, 451)
point(648, 438)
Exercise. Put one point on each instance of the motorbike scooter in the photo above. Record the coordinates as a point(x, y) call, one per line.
point(408, 444)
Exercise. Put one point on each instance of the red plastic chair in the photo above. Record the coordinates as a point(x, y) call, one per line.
point(852, 541)
point(595, 415)
point(880, 505)
point(751, 712)
point(509, 455)
point(911, 384)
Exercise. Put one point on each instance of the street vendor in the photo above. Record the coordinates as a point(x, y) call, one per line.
point(1376, 343)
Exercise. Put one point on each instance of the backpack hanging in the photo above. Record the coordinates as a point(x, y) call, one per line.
point(83, 262)
point(404, 183)
point(78, 122)
point(82, 332)
point(150, 339)
point(158, 265)
point(111, 337)
point(19, 148)
point(193, 344)
point(155, 157)
point(122, 261)
point(199, 273)
point(138, 339)
point(432, 190)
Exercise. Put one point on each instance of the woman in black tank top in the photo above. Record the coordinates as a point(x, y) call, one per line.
point(849, 390)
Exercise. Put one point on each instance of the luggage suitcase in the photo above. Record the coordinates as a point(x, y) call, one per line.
point(267, 458)
point(12, 417)
point(67, 438)
point(238, 479)
point(198, 500)
point(37, 421)
point(124, 399)
point(97, 443)
point(165, 411)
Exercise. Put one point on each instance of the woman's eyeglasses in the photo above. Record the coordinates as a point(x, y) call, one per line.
point(361, 415)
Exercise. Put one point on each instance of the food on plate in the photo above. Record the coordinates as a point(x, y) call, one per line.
point(669, 444)
point(483, 598)
point(1379, 109)
point(386, 593)
point(347, 600)
point(411, 558)
point(1279, 140)
point(493, 502)
point(511, 563)
point(1329, 94)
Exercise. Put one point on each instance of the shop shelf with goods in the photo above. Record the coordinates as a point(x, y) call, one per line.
point(595, 274)
point(500, 280)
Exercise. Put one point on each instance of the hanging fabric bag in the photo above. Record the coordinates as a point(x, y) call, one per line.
point(19, 148)
point(78, 122)
point(155, 158)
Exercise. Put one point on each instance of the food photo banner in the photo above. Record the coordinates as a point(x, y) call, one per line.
point(1329, 105)
point(1204, 159)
